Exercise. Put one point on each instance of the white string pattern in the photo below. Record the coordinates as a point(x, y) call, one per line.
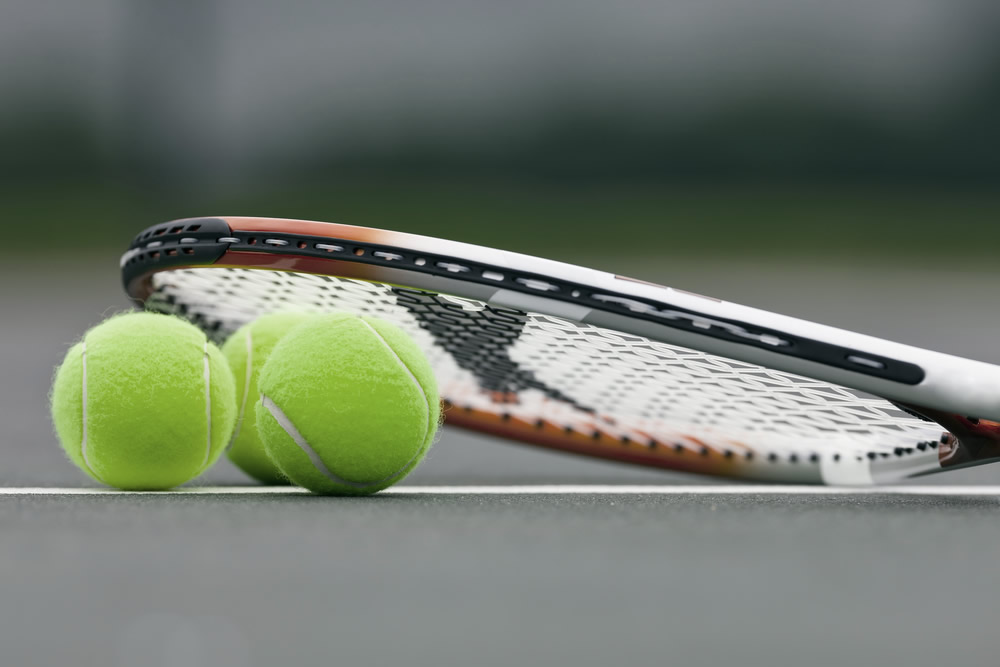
point(538, 367)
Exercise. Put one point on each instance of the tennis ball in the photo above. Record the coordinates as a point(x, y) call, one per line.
point(144, 402)
point(247, 350)
point(349, 405)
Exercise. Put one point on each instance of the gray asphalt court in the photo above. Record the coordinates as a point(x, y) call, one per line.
point(501, 554)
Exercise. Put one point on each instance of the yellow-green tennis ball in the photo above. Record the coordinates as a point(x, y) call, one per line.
point(247, 350)
point(349, 405)
point(144, 402)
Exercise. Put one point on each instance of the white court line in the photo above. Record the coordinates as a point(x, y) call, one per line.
point(555, 489)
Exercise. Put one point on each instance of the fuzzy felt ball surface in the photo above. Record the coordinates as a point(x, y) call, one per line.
point(247, 350)
point(349, 405)
point(144, 402)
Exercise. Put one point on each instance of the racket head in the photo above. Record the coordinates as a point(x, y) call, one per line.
point(582, 361)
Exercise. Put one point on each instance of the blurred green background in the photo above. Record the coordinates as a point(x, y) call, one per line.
point(861, 130)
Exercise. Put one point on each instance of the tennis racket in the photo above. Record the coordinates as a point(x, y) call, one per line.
point(592, 363)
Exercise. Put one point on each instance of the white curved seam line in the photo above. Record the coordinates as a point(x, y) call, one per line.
point(413, 377)
point(288, 427)
point(208, 404)
point(83, 440)
point(427, 402)
point(246, 390)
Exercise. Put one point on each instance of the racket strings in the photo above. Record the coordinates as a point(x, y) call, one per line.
point(552, 373)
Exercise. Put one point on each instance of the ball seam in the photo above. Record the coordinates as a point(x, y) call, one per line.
point(208, 403)
point(288, 426)
point(84, 420)
point(248, 379)
point(413, 377)
point(293, 432)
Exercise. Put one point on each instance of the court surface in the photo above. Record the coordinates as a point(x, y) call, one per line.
point(495, 554)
